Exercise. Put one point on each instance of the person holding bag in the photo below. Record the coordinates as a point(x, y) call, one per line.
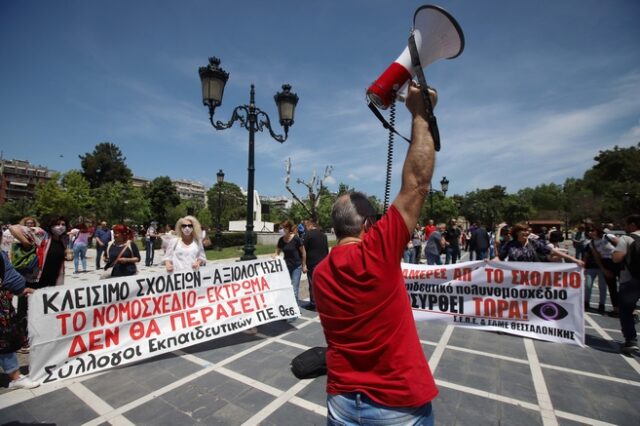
point(11, 334)
point(121, 254)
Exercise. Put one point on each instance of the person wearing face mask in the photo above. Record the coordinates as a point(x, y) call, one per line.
point(50, 243)
point(186, 252)
point(50, 252)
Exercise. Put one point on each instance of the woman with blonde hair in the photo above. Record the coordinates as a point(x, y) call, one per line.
point(186, 251)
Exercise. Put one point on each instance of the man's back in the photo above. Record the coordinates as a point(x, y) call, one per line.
point(373, 345)
point(316, 245)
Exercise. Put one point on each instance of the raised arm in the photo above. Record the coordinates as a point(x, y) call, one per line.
point(419, 162)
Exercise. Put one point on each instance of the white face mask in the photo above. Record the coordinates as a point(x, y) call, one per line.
point(187, 231)
point(58, 229)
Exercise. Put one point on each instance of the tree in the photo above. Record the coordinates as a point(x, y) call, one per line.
point(162, 195)
point(119, 202)
point(79, 197)
point(234, 203)
point(485, 205)
point(12, 211)
point(105, 165)
point(616, 180)
point(50, 197)
point(314, 190)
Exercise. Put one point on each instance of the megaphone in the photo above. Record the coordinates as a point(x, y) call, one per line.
point(437, 35)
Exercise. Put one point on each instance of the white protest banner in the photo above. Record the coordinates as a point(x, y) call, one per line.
point(538, 300)
point(83, 329)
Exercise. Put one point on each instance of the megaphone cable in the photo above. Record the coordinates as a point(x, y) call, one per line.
point(387, 184)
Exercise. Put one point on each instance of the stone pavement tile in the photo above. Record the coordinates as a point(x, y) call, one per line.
point(158, 413)
point(217, 399)
point(453, 408)
point(431, 332)
point(585, 359)
point(489, 341)
point(316, 391)
point(310, 335)
point(276, 328)
point(292, 415)
point(493, 375)
point(612, 402)
point(567, 422)
point(123, 385)
point(218, 350)
point(58, 407)
point(270, 365)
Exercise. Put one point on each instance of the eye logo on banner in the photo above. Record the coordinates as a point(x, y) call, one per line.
point(550, 311)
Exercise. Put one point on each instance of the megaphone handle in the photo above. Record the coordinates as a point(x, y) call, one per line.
point(433, 123)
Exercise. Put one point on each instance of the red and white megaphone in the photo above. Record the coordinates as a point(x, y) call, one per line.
point(437, 35)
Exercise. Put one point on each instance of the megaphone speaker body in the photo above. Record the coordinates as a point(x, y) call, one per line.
point(437, 34)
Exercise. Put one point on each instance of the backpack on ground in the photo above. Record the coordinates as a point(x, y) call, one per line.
point(632, 260)
point(310, 363)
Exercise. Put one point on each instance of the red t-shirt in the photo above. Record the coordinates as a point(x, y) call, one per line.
point(373, 344)
point(428, 230)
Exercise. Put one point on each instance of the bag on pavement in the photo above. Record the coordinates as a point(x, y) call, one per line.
point(310, 363)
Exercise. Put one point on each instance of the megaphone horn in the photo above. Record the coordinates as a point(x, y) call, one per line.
point(437, 35)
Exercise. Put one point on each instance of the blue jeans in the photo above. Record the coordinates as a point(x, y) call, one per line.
point(433, 259)
point(80, 254)
point(357, 409)
point(627, 299)
point(453, 253)
point(99, 251)
point(148, 246)
point(480, 255)
point(589, 280)
point(295, 275)
point(9, 362)
point(409, 256)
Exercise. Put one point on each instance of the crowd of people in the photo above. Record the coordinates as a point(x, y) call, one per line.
point(357, 287)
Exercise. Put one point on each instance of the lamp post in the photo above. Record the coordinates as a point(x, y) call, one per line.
point(253, 119)
point(220, 180)
point(444, 186)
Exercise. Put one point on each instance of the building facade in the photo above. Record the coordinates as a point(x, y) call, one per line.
point(19, 179)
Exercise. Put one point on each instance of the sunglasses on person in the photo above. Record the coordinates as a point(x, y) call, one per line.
point(184, 225)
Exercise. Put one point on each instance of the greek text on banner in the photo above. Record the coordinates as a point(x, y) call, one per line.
point(538, 300)
point(83, 329)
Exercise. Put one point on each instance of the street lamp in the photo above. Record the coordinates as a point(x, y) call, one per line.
point(220, 179)
point(444, 184)
point(253, 119)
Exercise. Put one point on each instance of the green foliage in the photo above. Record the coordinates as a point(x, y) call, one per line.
point(485, 206)
point(227, 200)
point(205, 218)
point(68, 196)
point(162, 195)
point(121, 203)
point(615, 182)
point(105, 164)
point(12, 211)
point(439, 208)
point(78, 193)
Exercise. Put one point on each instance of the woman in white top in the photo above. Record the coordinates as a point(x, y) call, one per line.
point(186, 251)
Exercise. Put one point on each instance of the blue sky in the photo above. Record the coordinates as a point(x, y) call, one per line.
point(540, 88)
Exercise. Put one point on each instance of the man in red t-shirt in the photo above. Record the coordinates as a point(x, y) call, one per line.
point(428, 229)
point(376, 366)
